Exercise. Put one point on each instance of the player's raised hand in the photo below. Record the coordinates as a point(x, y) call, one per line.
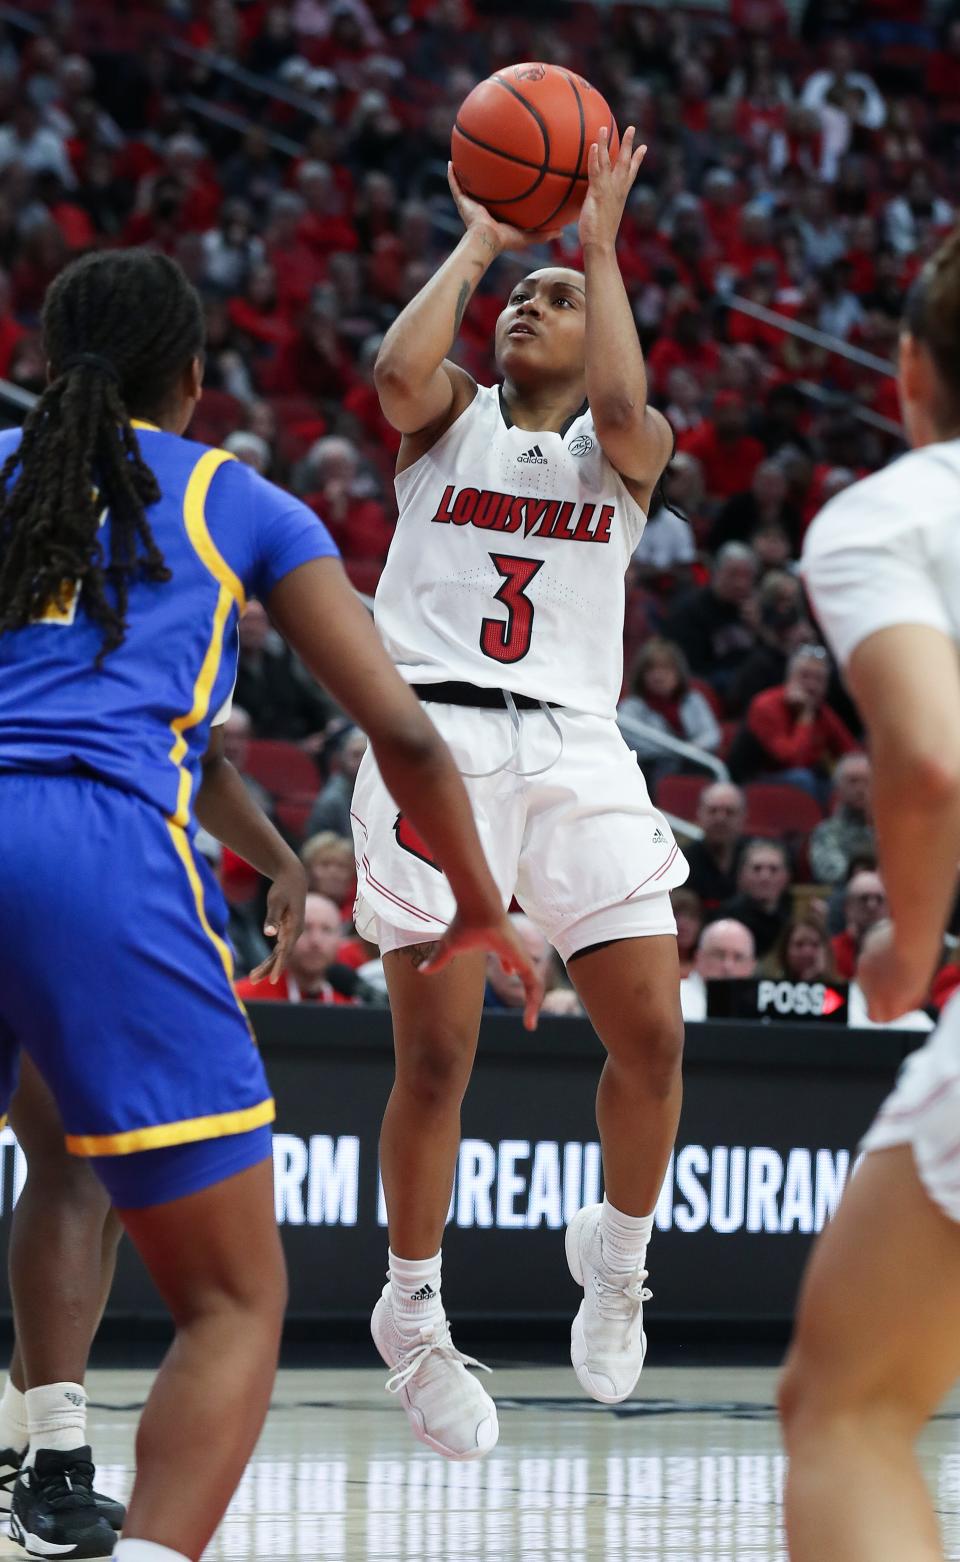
point(500, 939)
point(610, 182)
point(286, 901)
point(502, 235)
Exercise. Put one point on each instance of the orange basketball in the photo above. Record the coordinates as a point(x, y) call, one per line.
point(521, 140)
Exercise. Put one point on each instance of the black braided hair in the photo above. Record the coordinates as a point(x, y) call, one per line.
point(119, 331)
point(659, 495)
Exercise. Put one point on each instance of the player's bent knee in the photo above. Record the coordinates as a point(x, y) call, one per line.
point(817, 1398)
point(435, 1070)
point(654, 1051)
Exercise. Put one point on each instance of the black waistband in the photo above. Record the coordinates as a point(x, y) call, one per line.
point(471, 694)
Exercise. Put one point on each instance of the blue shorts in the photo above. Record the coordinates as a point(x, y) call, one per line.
point(116, 978)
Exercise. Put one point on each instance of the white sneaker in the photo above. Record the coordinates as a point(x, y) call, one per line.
point(607, 1342)
point(446, 1407)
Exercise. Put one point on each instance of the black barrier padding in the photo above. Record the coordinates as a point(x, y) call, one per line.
point(771, 1120)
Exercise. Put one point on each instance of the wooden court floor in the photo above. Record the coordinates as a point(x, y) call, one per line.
point(691, 1470)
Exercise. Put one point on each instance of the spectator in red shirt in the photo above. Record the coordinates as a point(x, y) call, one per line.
point(11, 331)
point(754, 244)
point(728, 454)
point(865, 904)
point(943, 72)
point(323, 227)
point(256, 313)
point(359, 523)
point(363, 403)
point(721, 208)
point(306, 978)
point(687, 347)
point(945, 984)
point(313, 361)
point(297, 268)
point(791, 735)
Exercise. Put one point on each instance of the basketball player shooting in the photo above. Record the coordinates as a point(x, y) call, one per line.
point(877, 1345)
point(502, 602)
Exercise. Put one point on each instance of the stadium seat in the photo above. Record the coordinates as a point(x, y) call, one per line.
point(679, 795)
point(218, 414)
point(282, 768)
point(775, 809)
point(710, 695)
point(293, 816)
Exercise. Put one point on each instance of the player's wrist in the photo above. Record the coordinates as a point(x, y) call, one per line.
point(483, 240)
point(478, 906)
point(599, 248)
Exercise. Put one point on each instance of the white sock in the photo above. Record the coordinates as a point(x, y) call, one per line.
point(146, 1551)
point(14, 1432)
point(415, 1288)
point(623, 1239)
point(57, 1417)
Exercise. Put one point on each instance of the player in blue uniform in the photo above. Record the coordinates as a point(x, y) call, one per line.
point(126, 555)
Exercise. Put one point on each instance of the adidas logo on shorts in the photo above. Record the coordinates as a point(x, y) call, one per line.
point(659, 839)
point(534, 457)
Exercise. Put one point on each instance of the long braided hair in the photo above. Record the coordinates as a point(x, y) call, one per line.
point(119, 331)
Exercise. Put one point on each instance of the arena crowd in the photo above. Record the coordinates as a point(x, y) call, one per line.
point(292, 157)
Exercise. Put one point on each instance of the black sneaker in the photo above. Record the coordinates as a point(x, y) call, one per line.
point(10, 1463)
point(55, 1513)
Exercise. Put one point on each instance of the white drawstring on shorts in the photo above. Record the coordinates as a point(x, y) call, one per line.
point(507, 764)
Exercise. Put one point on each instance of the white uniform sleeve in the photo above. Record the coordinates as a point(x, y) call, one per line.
point(226, 709)
point(869, 560)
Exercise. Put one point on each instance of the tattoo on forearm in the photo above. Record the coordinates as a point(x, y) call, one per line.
point(462, 302)
point(419, 954)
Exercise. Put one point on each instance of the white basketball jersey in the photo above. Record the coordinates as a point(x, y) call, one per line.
point(886, 551)
point(507, 566)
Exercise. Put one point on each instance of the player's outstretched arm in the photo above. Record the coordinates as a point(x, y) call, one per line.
point(417, 385)
point(225, 808)
point(319, 613)
point(906, 681)
point(636, 439)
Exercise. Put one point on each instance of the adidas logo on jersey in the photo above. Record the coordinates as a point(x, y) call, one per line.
point(659, 839)
point(533, 457)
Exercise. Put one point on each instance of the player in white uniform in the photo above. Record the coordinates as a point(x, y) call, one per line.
point(502, 603)
point(877, 1341)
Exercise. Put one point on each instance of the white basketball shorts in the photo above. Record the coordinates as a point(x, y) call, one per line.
point(580, 844)
point(923, 1111)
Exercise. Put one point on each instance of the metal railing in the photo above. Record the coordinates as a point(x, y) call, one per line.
point(252, 81)
point(232, 119)
point(809, 333)
point(837, 401)
point(642, 732)
point(834, 401)
point(15, 401)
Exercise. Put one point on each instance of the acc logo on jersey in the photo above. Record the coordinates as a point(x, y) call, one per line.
point(413, 843)
point(580, 446)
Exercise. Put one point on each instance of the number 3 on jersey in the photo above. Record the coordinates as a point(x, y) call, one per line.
point(509, 640)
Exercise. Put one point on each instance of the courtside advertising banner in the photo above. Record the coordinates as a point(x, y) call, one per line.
point(768, 1138)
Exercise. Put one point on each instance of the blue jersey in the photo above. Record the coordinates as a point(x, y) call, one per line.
point(142, 720)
